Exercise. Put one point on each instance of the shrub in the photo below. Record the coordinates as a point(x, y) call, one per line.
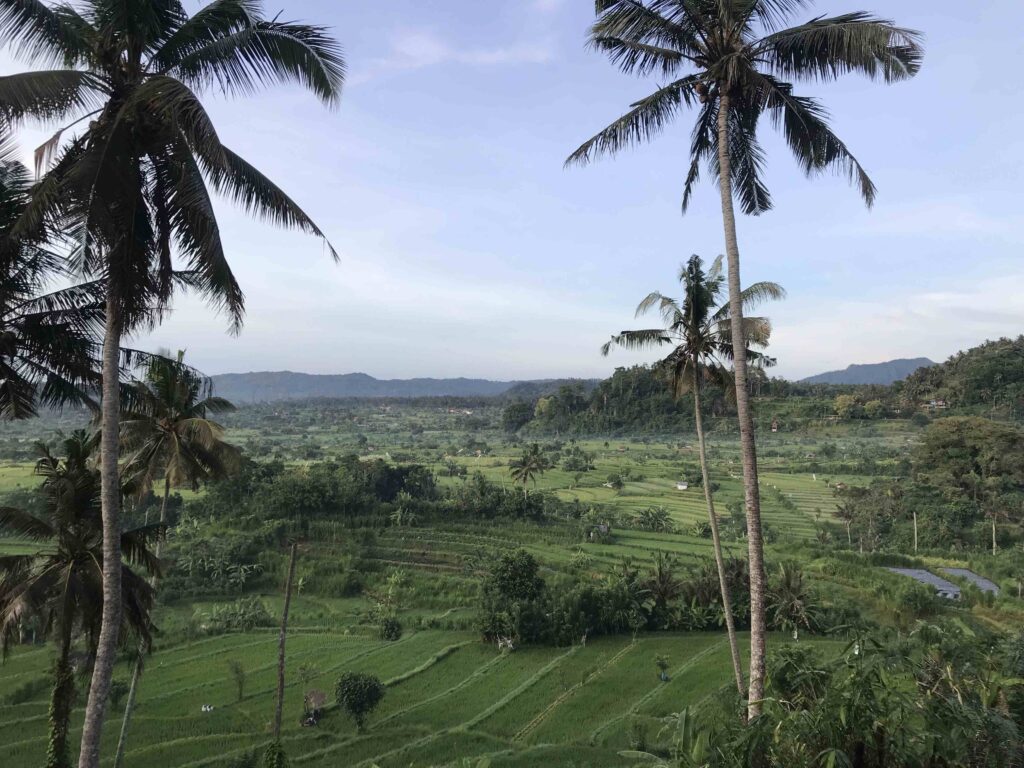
point(701, 529)
point(244, 614)
point(237, 673)
point(359, 694)
point(274, 756)
point(391, 629)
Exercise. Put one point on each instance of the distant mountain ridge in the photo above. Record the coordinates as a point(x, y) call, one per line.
point(872, 373)
point(270, 386)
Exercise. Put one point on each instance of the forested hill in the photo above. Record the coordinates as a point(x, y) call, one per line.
point(991, 374)
point(872, 373)
point(270, 386)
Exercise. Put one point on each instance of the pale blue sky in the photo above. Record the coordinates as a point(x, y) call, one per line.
point(468, 250)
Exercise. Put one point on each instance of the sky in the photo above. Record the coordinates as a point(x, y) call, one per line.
point(468, 250)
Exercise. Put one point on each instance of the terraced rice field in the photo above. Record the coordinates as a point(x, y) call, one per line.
point(449, 696)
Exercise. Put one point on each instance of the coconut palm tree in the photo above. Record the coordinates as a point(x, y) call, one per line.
point(168, 431)
point(700, 335)
point(61, 584)
point(48, 348)
point(791, 603)
point(135, 180)
point(528, 467)
point(732, 60)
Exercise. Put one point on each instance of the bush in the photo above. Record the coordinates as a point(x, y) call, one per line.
point(359, 694)
point(274, 756)
point(237, 673)
point(391, 629)
point(701, 529)
point(244, 614)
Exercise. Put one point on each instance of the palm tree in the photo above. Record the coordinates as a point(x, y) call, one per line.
point(731, 60)
point(701, 339)
point(134, 182)
point(528, 467)
point(47, 337)
point(168, 431)
point(790, 602)
point(62, 583)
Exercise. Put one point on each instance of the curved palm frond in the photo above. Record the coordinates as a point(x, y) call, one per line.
point(804, 123)
point(646, 119)
point(827, 48)
point(40, 34)
point(245, 186)
point(48, 95)
point(261, 53)
point(17, 523)
point(644, 339)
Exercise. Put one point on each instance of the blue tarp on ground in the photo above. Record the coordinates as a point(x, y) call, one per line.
point(944, 588)
point(979, 581)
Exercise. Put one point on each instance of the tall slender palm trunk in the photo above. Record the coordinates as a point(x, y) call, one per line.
point(751, 493)
point(60, 705)
point(133, 689)
point(110, 500)
point(730, 625)
point(281, 642)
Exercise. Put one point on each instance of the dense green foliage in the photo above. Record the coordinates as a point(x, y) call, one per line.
point(990, 375)
point(359, 694)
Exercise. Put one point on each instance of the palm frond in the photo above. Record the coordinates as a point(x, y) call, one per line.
point(826, 48)
point(640, 58)
point(17, 523)
point(703, 147)
point(256, 194)
point(759, 292)
point(804, 123)
point(260, 53)
point(643, 339)
point(48, 94)
point(647, 118)
point(39, 34)
point(656, 23)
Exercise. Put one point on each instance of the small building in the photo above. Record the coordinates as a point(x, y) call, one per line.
point(775, 425)
point(681, 486)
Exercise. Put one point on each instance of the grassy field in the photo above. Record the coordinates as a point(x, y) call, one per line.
point(16, 477)
point(448, 697)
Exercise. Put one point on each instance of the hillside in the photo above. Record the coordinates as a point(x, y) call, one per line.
point(991, 374)
point(871, 373)
point(271, 386)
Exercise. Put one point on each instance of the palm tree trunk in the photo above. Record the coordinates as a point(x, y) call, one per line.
point(915, 531)
point(280, 643)
point(133, 689)
point(163, 512)
point(993, 535)
point(730, 626)
point(110, 501)
point(751, 494)
point(129, 710)
point(60, 705)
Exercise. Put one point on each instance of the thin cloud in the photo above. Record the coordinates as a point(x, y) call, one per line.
point(825, 336)
point(932, 218)
point(417, 49)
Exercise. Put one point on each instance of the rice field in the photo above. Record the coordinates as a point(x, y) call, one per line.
point(448, 697)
